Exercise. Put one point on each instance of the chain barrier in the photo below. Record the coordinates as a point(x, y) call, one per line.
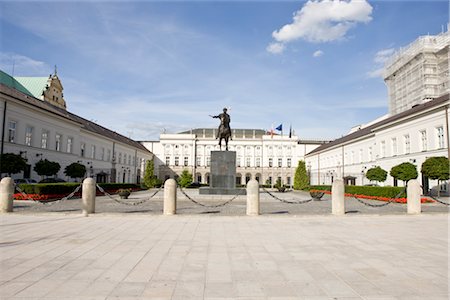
point(124, 202)
point(47, 203)
point(287, 201)
point(439, 201)
point(381, 205)
point(204, 205)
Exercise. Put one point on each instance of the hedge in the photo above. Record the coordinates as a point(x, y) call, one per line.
point(378, 191)
point(68, 187)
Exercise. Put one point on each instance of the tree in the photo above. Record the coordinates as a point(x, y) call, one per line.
point(404, 171)
point(75, 170)
point(47, 168)
point(150, 179)
point(301, 180)
point(185, 179)
point(12, 163)
point(436, 168)
point(376, 174)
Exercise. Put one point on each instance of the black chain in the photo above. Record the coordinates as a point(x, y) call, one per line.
point(204, 205)
point(439, 201)
point(127, 203)
point(287, 201)
point(381, 205)
point(48, 203)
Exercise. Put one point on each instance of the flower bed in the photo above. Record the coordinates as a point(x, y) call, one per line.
point(397, 200)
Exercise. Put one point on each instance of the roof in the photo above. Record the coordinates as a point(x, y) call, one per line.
point(7, 89)
point(12, 82)
point(236, 133)
point(370, 129)
point(35, 85)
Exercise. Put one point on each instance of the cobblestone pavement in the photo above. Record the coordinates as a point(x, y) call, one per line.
point(268, 206)
point(54, 256)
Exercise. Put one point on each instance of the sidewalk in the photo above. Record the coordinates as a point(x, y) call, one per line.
point(56, 256)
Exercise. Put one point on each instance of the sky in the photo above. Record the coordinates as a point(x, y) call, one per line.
point(142, 68)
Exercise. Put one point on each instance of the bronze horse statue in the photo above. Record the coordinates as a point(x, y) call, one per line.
point(224, 132)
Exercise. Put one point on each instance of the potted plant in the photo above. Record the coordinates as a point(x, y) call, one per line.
point(124, 193)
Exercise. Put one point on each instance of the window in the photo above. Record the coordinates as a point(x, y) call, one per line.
point(258, 162)
point(93, 151)
point(394, 146)
point(423, 140)
point(12, 131)
point(108, 155)
point(83, 149)
point(280, 162)
point(270, 162)
point(370, 154)
point(289, 162)
point(208, 161)
point(238, 161)
point(407, 143)
point(69, 144)
point(102, 154)
point(177, 160)
point(288, 180)
point(247, 161)
point(440, 137)
point(361, 155)
point(120, 158)
point(186, 161)
point(383, 148)
point(198, 160)
point(167, 160)
point(44, 139)
point(58, 139)
point(129, 159)
point(29, 136)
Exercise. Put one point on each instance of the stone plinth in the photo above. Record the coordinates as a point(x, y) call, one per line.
point(222, 175)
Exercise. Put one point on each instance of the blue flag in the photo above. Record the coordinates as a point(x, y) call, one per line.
point(280, 127)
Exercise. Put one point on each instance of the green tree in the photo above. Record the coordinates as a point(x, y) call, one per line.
point(13, 163)
point(75, 170)
point(185, 178)
point(150, 179)
point(404, 171)
point(301, 180)
point(47, 168)
point(376, 174)
point(436, 168)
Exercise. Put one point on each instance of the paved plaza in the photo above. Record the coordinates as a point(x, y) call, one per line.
point(130, 252)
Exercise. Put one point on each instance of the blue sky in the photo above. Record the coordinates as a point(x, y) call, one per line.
point(143, 67)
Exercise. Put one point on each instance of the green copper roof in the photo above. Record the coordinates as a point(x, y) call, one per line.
point(13, 83)
point(35, 85)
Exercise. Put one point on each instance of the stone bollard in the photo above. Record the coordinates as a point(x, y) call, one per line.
point(252, 198)
point(413, 192)
point(170, 197)
point(88, 196)
point(6, 195)
point(337, 197)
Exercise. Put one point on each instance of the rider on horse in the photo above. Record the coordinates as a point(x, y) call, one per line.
point(224, 131)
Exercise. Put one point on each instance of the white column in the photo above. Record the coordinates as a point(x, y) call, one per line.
point(88, 196)
point(170, 197)
point(6, 195)
point(252, 198)
point(337, 197)
point(413, 192)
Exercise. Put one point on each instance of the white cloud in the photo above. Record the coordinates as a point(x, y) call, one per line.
point(275, 48)
point(383, 55)
point(318, 53)
point(324, 21)
point(22, 65)
point(376, 73)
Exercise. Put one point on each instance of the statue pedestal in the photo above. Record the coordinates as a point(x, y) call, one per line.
point(222, 175)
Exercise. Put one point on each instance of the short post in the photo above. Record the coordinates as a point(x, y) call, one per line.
point(88, 196)
point(252, 198)
point(6, 195)
point(337, 197)
point(170, 197)
point(413, 192)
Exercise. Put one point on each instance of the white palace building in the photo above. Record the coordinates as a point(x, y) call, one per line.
point(259, 155)
point(37, 125)
point(417, 126)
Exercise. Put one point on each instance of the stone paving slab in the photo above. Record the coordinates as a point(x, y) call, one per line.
point(136, 256)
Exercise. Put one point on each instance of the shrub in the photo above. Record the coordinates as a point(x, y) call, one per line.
point(75, 170)
point(301, 180)
point(12, 163)
point(376, 174)
point(185, 179)
point(379, 191)
point(404, 171)
point(47, 168)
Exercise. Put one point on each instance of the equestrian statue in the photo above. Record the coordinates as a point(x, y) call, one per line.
point(224, 132)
